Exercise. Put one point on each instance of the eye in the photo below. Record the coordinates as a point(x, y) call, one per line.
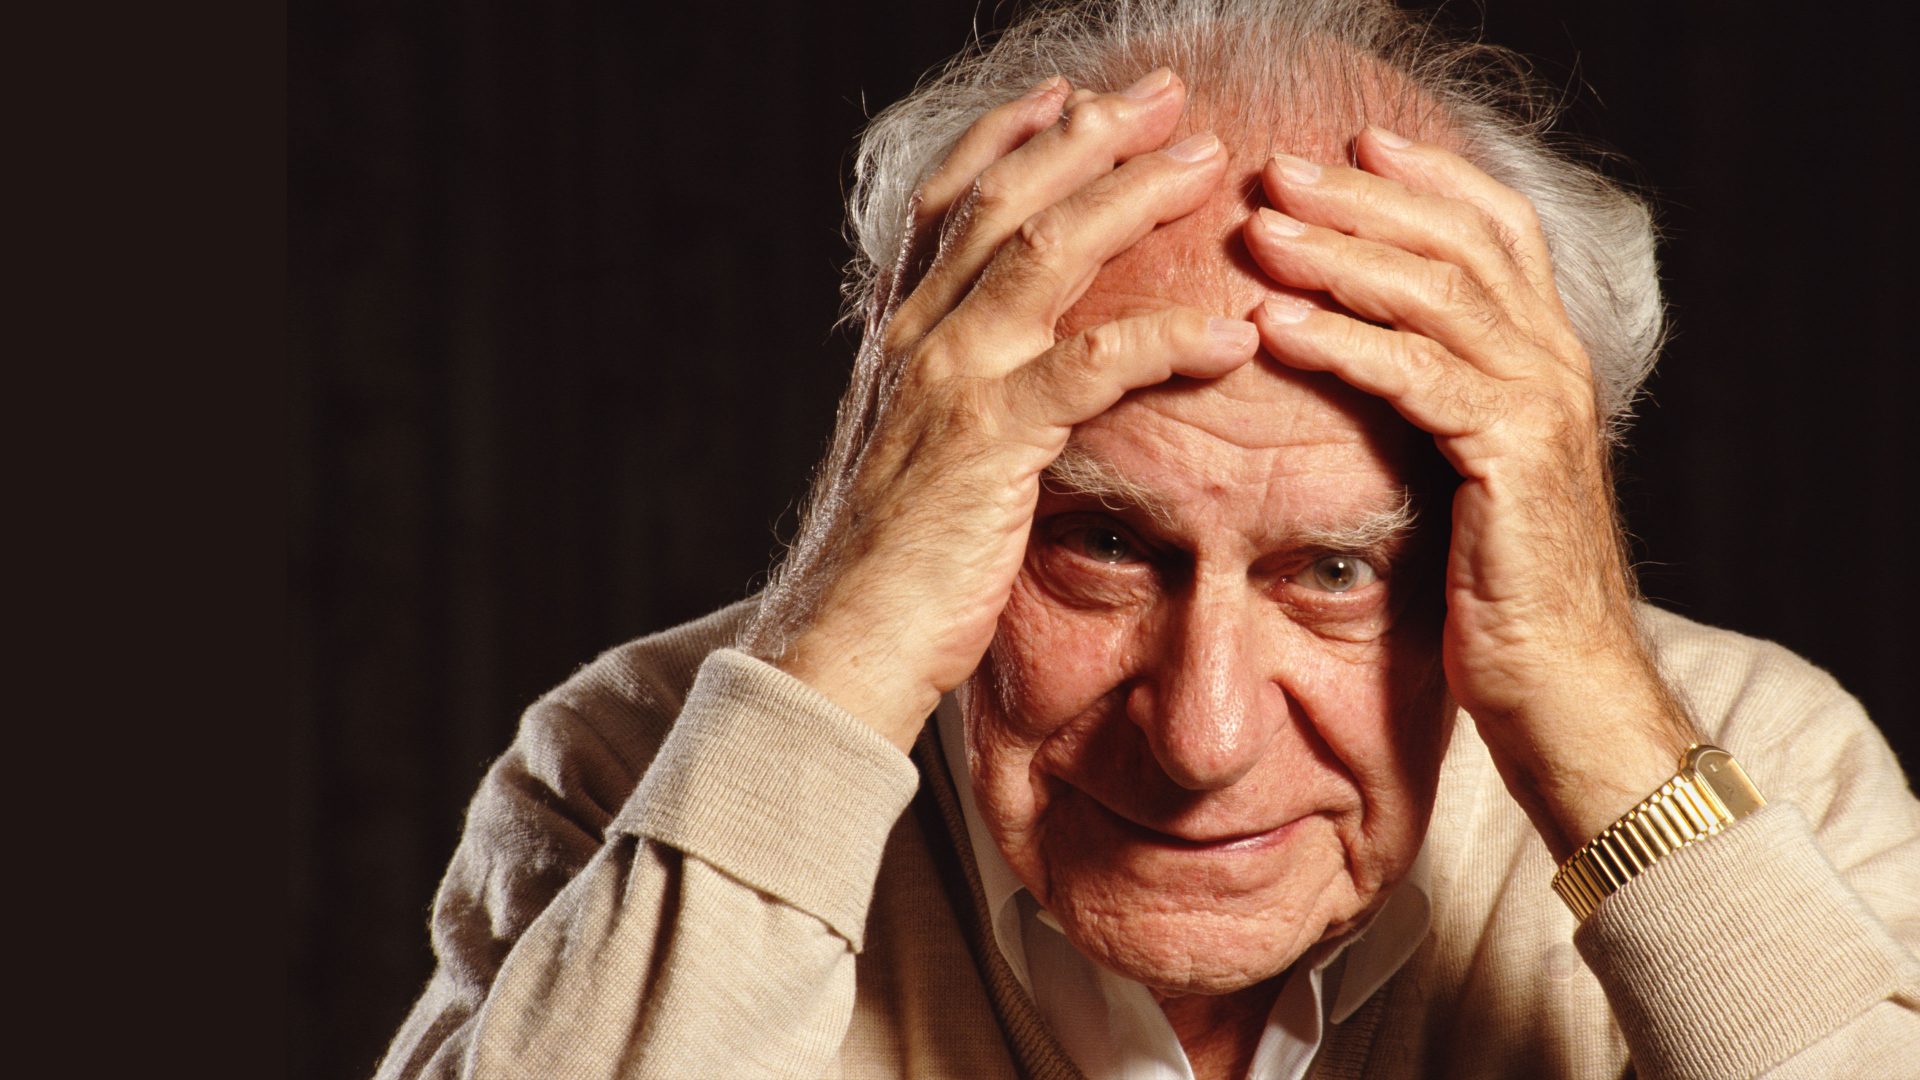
point(1338, 574)
point(1097, 540)
point(1101, 544)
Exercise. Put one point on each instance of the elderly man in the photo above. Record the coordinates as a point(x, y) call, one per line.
point(1233, 416)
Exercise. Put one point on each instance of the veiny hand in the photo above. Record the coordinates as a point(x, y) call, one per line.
point(1460, 328)
point(925, 541)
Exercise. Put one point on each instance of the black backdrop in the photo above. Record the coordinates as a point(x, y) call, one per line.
point(561, 284)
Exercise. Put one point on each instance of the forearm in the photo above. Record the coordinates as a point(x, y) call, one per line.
point(653, 963)
point(1590, 746)
point(713, 933)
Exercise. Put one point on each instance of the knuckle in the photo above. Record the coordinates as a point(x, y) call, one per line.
point(1093, 119)
point(901, 330)
point(1511, 219)
point(1370, 201)
point(1182, 329)
point(1473, 223)
point(1519, 210)
point(1579, 403)
point(1551, 415)
point(931, 363)
point(935, 401)
point(990, 195)
point(966, 404)
point(1042, 237)
point(1424, 358)
point(1103, 346)
point(1458, 291)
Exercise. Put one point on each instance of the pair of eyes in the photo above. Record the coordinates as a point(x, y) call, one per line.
point(1334, 573)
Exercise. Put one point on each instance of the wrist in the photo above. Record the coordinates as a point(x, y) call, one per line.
point(863, 677)
point(1584, 759)
point(1708, 792)
point(1575, 797)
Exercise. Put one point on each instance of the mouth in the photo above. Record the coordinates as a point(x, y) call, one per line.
point(1223, 844)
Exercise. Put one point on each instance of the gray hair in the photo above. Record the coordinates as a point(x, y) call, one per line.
point(1268, 64)
point(1261, 70)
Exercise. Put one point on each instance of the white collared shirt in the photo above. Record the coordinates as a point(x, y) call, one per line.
point(1110, 1025)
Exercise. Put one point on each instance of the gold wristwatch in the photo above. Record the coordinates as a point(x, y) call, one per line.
point(1710, 793)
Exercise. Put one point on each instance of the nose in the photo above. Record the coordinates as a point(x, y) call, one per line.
point(1200, 694)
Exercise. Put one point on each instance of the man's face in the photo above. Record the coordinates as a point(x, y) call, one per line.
point(1209, 729)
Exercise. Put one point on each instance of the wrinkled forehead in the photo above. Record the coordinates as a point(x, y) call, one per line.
point(1197, 261)
point(1257, 412)
point(1313, 110)
point(1261, 429)
point(1201, 261)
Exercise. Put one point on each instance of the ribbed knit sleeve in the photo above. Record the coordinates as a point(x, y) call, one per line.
point(769, 781)
point(1786, 945)
point(1747, 949)
point(708, 930)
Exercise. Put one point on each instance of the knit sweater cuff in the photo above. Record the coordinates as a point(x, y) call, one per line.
point(765, 779)
point(1708, 956)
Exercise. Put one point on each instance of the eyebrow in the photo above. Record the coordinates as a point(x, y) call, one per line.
point(1078, 473)
point(1375, 534)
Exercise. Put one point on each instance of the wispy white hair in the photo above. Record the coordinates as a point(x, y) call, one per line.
point(1270, 73)
point(1292, 66)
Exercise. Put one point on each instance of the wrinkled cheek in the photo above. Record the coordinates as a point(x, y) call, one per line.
point(1050, 663)
point(1049, 666)
point(1391, 733)
point(1416, 696)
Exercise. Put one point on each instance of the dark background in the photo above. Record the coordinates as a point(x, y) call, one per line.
point(561, 284)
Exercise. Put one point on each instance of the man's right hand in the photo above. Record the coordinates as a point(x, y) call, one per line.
point(927, 534)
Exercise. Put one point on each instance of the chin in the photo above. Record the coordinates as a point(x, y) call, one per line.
point(1189, 952)
point(1182, 936)
point(1199, 922)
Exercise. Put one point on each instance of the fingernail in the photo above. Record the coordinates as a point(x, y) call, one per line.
point(1388, 139)
point(1150, 84)
point(1287, 308)
point(1296, 170)
point(1234, 336)
point(1195, 147)
point(1280, 224)
point(1043, 89)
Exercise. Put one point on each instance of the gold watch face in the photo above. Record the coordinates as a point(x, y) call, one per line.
point(1724, 777)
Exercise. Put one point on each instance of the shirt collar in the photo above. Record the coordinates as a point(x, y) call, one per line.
point(997, 879)
point(1387, 941)
point(1373, 953)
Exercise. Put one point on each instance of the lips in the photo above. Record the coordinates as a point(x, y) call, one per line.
point(1233, 842)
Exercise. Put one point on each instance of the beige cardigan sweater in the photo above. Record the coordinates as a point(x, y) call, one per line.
point(691, 865)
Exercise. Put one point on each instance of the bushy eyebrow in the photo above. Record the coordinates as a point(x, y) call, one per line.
point(1078, 473)
point(1082, 474)
point(1376, 534)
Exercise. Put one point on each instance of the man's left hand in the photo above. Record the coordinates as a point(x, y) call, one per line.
point(1444, 305)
